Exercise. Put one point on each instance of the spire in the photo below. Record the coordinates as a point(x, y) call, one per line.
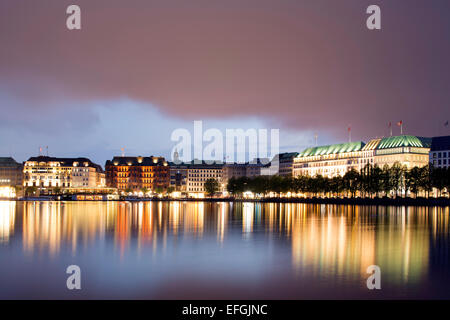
point(176, 156)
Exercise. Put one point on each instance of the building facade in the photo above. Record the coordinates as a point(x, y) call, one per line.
point(439, 156)
point(138, 173)
point(87, 176)
point(329, 161)
point(50, 172)
point(286, 163)
point(248, 169)
point(11, 172)
point(409, 151)
point(178, 176)
point(197, 174)
point(336, 160)
point(282, 164)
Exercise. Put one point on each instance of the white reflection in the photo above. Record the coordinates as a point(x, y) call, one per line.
point(7, 215)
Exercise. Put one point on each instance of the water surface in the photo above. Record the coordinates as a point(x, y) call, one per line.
point(201, 250)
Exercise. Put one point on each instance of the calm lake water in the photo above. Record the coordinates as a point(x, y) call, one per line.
point(200, 250)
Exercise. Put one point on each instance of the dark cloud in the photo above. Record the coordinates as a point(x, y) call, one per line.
point(306, 64)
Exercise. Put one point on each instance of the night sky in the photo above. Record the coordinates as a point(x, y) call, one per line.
point(139, 69)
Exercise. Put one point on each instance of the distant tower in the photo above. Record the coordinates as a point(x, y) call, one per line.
point(123, 152)
point(176, 156)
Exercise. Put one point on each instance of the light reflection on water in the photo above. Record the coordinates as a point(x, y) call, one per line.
point(222, 250)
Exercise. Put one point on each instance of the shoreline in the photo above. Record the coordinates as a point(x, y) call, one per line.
point(435, 202)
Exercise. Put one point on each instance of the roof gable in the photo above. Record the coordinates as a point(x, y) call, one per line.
point(333, 149)
point(404, 141)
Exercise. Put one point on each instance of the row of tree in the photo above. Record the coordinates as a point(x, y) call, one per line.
point(371, 181)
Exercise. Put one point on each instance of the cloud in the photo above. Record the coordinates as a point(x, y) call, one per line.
point(100, 129)
point(309, 65)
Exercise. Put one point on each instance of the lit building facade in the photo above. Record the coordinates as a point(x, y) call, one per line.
point(11, 172)
point(440, 152)
point(50, 172)
point(197, 174)
point(329, 161)
point(87, 176)
point(409, 151)
point(336, 160)
point(137, 173)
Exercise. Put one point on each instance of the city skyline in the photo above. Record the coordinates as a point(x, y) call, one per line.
point(43, 151)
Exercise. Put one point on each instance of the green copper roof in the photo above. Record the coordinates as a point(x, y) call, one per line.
point(332, 149)
point(404, 141)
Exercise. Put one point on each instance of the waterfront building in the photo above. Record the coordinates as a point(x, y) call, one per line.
point(190, 176)
point(409, 151)
point(11, 172)
point(248, 169)
point(200, 171)
point(178, 176)
point(270, 169)
point(338, 159)
point(87, 176)
point(178, 173)
point(329, 161)
point(286, 163)
point(439, 156)
point(50, 172)
point(282, 164)
point(138, 173)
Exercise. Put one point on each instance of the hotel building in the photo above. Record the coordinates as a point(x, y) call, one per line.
point(49, 172)
point(409, 151)
point(137, 173)
point(440, 152)
point(329, 161)
point(336, 160)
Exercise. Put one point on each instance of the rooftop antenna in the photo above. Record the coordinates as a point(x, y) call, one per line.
point(349, 133)
point(47, 150)
point(315, 139)
point(40, 150)
point(123, 152)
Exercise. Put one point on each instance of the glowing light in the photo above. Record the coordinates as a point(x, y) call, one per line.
point(7, 192)
point(176, 194)
point(249, 195)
